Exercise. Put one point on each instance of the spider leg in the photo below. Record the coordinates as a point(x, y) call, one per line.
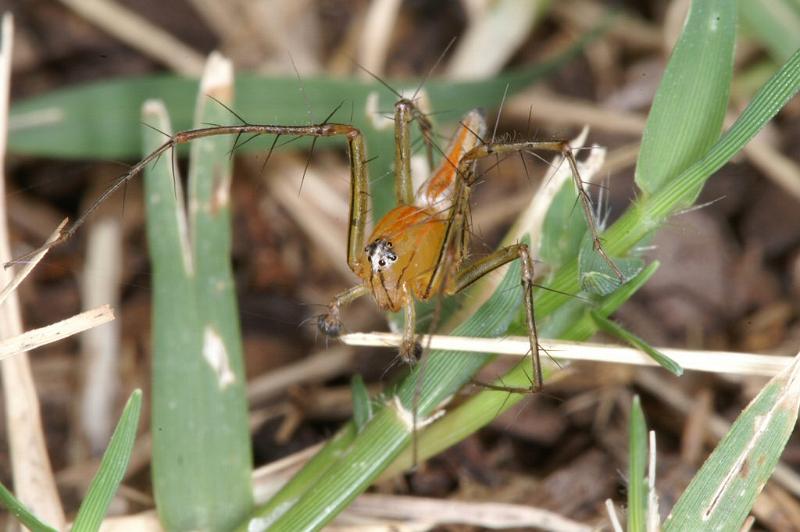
point(473, 271)
point(559, 146)
point(359, 193)
point(403, 183)
point(330, 323)
point(410, 350)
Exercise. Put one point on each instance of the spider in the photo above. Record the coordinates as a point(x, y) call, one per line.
point(419, 249)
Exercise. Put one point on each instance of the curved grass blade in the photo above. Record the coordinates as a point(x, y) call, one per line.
point(650, 212)
point(112, 468)
point(614, 329)
point(21, 513)
point(689, 107)
point(722, 493)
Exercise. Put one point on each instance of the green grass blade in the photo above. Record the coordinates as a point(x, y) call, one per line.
point(614, 329)
point(775, 23)
point(637, 464)
point(112, 468)
point(722, 493)
point(179, 375)
point(362, 404)
point(201, 449)
point(100, 120)
point(227, 444)
point(650, 212)
point(688, 109)
point(562, 231)
point(456, 425)
point(22, 514)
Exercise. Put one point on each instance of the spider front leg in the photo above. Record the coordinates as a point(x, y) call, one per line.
point(330, 323)
point(472, 272)
point(564, 149)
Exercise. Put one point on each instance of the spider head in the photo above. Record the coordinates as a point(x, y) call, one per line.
point(380, 254)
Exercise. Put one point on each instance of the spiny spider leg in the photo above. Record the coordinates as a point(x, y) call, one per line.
point(470, 273)
point(564, 149)
point(358, 182)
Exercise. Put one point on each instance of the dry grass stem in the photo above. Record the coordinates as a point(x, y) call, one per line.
point(492, 39)
point(373, 46)
point(711, 361)
point(100, 346)
point(308, 210)
point(34, 484)
point(57, 331)
point(29, 265)
point(438, 512)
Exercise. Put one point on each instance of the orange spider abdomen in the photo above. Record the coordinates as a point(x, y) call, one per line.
point(400, 257)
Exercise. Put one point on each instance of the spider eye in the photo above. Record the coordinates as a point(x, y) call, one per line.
point(382, 262)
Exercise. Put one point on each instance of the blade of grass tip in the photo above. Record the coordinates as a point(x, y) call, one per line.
point(637, 464)
point(689, 107)
point(723, 492)
point(615, 329)
point(23, 515)
point(226, 450)
point(112, 467)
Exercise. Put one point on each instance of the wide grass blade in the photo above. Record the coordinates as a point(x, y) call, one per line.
point(688, 109)
point(722, 493)
point(99, 120)
point(112, 468)
point(201, 451)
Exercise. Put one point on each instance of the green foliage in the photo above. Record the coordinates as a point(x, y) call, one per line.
point(201, 445)
point(104, 484)
point(688, 109)
point(112, 468)
point(637, 465)
point(722, 493)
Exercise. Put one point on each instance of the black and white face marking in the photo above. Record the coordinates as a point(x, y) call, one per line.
point(380, 254)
